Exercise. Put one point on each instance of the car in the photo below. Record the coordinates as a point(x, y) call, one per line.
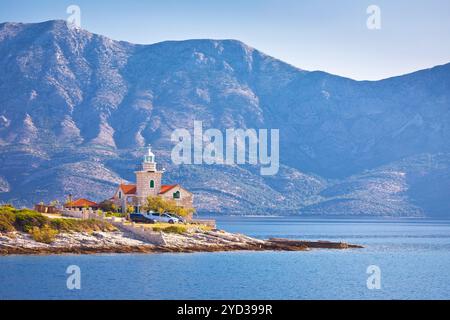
point(180, 218)
point(141, 218)
point(164, 217)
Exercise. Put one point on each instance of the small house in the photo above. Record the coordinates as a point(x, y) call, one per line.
point(81, 204)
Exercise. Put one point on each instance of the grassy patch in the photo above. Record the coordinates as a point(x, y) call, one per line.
point(178, 228)
point(171, 228)
point(7, 219)
point(203, 227)
point(45, 234)
point(115, 214)
point(43, 229)
point(91, 225)
point(26, 220)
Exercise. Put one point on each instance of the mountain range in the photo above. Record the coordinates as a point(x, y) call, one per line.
point(76, 110)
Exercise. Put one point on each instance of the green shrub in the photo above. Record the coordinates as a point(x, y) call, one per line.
point(68, 225)
point(158, 204)
point(33, 222)
point(7, 218)
point(27, 219)
point(45, 234)
point(96, 225)
point(115, 214)
point(108, 205)
point(64, 225)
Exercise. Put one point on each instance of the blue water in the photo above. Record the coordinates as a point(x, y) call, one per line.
point(413, 255)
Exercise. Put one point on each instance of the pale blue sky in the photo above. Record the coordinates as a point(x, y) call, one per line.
point(328, 35)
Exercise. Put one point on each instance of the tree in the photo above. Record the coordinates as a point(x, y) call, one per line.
point(160, 205)
point(108, 206)
point(156, 204)
point(184, 212)
point(54, 203)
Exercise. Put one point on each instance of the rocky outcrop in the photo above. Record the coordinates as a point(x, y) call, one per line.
point(96, 242)
point(120, 242)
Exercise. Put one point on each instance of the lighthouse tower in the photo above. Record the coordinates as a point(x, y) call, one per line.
point(148, 180)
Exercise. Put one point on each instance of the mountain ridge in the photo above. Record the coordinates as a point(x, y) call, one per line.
point(76, 108)
point(63, 22)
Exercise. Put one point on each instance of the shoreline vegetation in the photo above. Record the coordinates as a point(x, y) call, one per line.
point(26, 232)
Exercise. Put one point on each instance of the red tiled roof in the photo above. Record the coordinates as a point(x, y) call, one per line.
point(82, 203)
point(167, 188)
point(128, 188)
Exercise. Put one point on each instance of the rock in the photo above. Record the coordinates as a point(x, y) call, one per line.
point(118, 242)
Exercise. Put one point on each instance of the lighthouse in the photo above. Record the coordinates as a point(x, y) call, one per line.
point(148, 179)
point(149, 184)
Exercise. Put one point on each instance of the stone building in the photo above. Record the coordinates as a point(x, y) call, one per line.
point(149, 183)
point(43, 208)
point(81, 204)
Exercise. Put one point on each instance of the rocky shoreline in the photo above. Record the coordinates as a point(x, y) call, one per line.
point(18, 243)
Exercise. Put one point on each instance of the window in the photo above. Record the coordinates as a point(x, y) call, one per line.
point(152, 184)
point(177, 195)
point(120, 194)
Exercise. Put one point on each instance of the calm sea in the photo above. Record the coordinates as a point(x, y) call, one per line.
point(413, 256)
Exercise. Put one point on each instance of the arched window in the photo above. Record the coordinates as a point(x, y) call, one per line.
point(177, 195)
point(120, 194)
point(152, 184)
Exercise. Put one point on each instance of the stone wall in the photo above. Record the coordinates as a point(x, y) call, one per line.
point(83, 214)
point(140, 232)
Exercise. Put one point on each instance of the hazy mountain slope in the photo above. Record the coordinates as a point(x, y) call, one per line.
point(76, 107)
